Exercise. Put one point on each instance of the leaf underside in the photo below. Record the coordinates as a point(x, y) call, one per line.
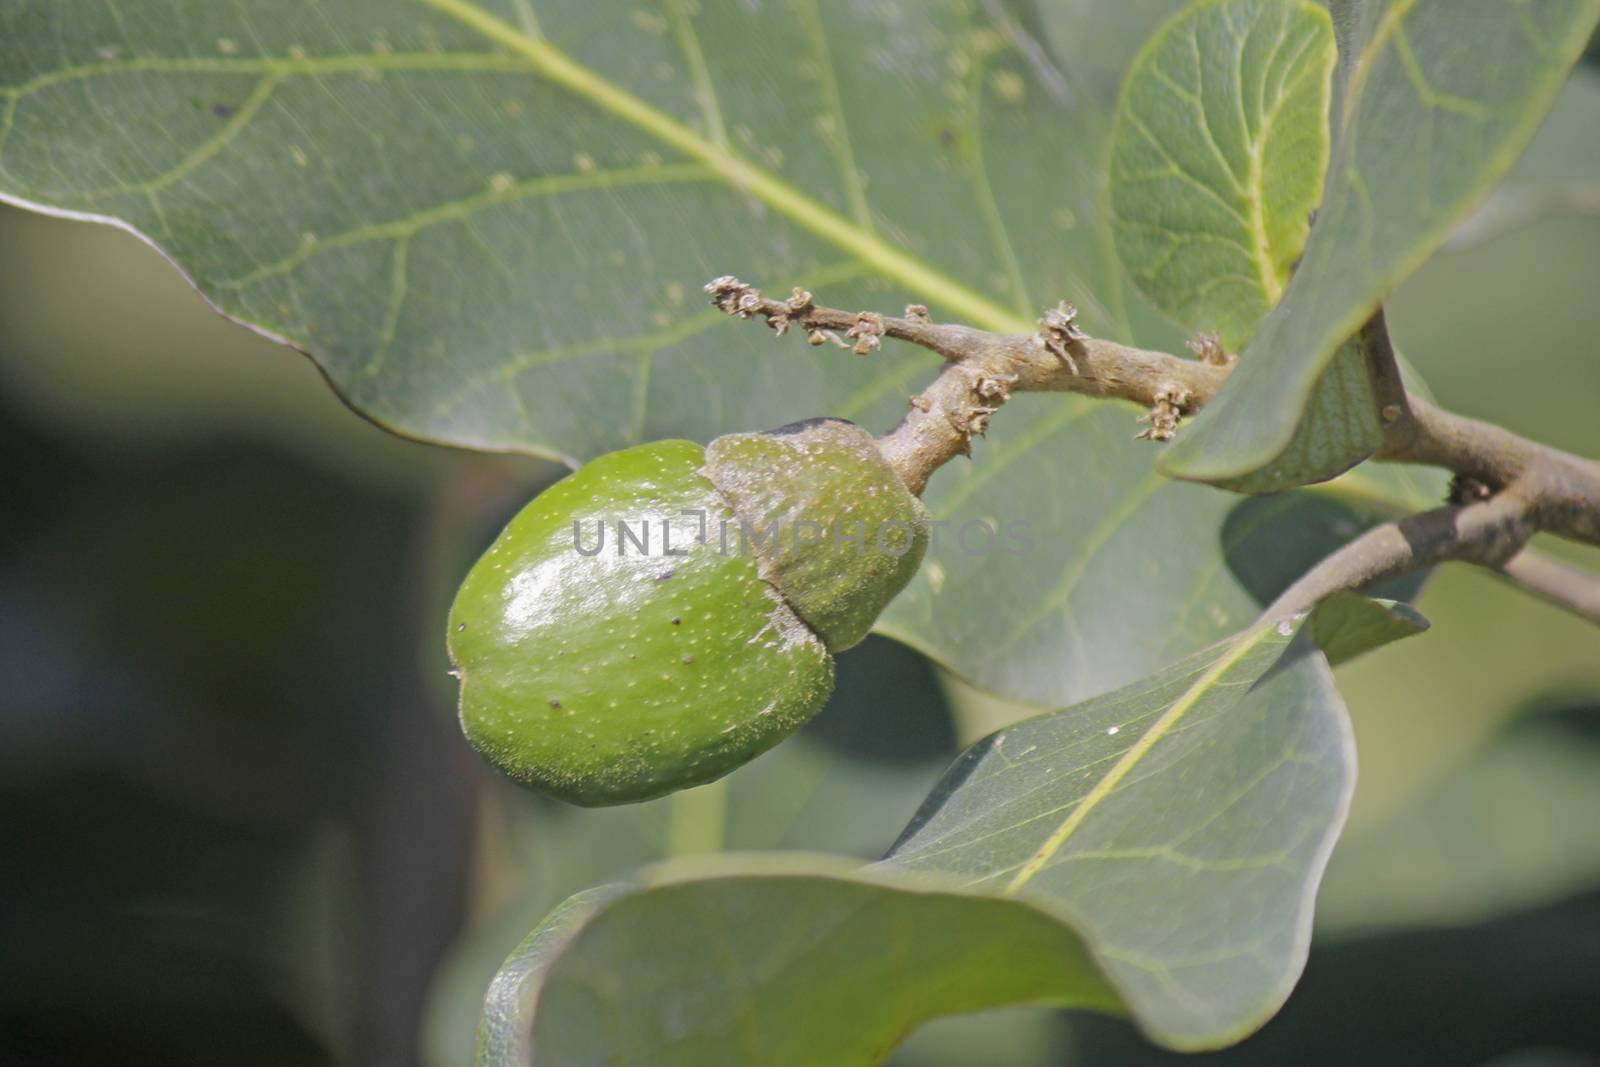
point(464, 216)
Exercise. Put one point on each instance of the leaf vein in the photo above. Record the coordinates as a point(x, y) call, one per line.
point(456, 210)
point(798, 207)
point(840, 143)
point(705, 89)
point(1239, 649)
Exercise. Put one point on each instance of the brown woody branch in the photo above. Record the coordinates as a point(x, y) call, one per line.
point(1507, 487)
point(1556, 582)
point(983, 369)
point(1489, 532)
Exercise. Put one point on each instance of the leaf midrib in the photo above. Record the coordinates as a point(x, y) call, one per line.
point(1198, 455)
point(563, 70)
point(1242, 646)
point(1272, 280)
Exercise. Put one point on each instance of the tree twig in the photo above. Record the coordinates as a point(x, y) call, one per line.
point(1551, 490)
point(1489, 532)
point(982, 369)
point(1556, 582)
point(1564, 489)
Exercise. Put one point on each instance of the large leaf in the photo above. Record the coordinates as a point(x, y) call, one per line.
point(784, 960)
point(489, 230)
point(1440, 97)
point(1118, 574)
point(846, 783)
point(1217, 158)
point(1154, 851)
point(799, 797)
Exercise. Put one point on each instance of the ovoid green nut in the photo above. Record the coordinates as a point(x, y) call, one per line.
point(667, 612)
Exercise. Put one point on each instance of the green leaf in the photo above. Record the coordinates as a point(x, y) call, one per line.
point(1179, 824)
point(1340, 428)
point(1122, 571)
point(1440, 97)
point(490, 230)
point(1558, 175)
point(780, 960)
point(846, 784)
point(1217, 158)
point(1346, 625)
point(1154, 851)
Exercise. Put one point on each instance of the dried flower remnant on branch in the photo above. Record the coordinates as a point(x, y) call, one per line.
point(1508, 487)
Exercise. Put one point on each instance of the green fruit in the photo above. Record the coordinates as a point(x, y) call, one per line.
point(665, 655)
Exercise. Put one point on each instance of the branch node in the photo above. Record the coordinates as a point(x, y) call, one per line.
point(1059, 331)
point(826, 337)
point(733, 297)
point(1465, 489)
point(1171, 402)
point(1207, 348)
point(867, 332)
point(1560, 491)
point(995, 390)
point(962, 423)
point(779, 319)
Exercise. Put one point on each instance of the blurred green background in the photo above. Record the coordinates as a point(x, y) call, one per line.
point(241, 825)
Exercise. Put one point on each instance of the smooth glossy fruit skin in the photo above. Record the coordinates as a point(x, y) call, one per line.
point(824, 482)
point(623, 675)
